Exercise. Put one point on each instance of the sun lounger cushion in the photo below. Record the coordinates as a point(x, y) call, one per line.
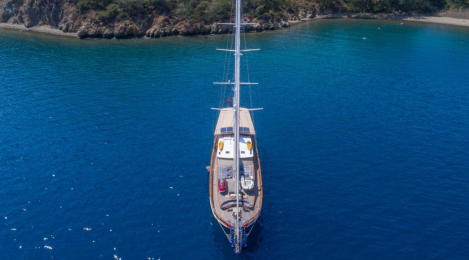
point(226, 172)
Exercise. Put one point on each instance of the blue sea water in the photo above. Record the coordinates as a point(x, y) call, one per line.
point(363, 142)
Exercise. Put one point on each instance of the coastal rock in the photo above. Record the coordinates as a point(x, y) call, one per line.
point(108, 33)
point(127, 30)
point(60, 14)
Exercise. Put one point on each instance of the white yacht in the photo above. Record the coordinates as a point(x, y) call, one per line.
point(235, 170)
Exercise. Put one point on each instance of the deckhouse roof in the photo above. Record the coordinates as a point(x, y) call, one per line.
point(225, 122)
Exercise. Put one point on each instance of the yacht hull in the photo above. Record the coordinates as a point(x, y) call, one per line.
point(217, 198)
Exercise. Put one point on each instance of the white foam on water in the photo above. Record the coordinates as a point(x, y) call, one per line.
point(87, 229)
point(48, 247)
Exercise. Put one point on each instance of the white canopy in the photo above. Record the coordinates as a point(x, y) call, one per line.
point(225, 122)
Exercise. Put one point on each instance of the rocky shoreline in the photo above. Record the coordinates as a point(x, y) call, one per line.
point(165, 27)
point(65, 16)
point(38, 29)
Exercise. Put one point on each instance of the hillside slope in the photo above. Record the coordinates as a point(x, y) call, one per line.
point(159, 18)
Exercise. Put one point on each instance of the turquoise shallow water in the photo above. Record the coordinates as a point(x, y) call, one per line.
point(363, 142)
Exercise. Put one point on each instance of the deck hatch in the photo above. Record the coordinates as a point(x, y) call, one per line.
point(244, 129)
point(247, 171)
point(226, 172)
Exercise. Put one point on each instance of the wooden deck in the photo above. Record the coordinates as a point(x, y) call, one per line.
point(253, 196)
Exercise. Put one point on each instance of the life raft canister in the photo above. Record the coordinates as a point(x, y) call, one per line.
point(222, 185)
point(220, 145)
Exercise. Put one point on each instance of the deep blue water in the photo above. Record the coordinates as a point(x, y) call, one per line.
point(363, 141)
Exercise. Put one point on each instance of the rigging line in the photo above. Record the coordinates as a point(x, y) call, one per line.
point(252, 227)
point(230, 45)
point(210, 220)
point(222, 89)
point(226, 234)
point(247, 67)
point(226, 65)
point(227, 76)
point(249, 76)
point(227, 73)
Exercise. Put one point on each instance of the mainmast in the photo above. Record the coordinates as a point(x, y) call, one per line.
point(236, 106)
point(237, 226)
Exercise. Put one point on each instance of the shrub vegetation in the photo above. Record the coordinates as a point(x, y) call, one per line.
point(218, 10)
